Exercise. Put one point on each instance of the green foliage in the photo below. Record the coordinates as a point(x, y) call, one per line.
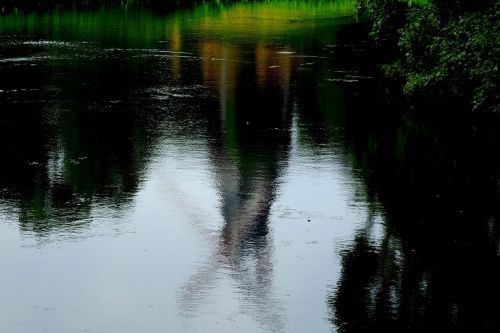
point(455, 57)
point(386, 16)
point(448, 49)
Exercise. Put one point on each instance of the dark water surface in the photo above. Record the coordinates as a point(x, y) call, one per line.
point(231, 169)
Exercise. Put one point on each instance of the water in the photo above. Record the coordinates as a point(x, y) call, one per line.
point(231, 169)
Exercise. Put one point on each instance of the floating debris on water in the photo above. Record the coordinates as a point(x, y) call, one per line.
point(343, 80)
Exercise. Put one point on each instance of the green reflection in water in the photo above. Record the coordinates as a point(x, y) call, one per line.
point(144, 28)
point(100, 85)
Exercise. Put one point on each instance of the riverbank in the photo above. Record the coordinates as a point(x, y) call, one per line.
point(8, 6)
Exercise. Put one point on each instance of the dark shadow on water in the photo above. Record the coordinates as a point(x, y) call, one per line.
point(434, 178)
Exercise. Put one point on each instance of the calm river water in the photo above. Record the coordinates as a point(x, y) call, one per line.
point(230, 169)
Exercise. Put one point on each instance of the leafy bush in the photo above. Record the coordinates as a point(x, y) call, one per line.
point(448, 49)
point(387, 16)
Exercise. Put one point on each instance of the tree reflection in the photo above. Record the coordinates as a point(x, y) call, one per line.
point(436, 267)
point(434, 183)
point(74, 135)
point(249, 150)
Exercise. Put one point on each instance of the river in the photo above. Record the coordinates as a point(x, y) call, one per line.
point(230, 168)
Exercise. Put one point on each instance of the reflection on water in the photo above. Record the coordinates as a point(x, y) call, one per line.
point(223, 169)
point(249, 151)
point(66, 141)
point(437, 265)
